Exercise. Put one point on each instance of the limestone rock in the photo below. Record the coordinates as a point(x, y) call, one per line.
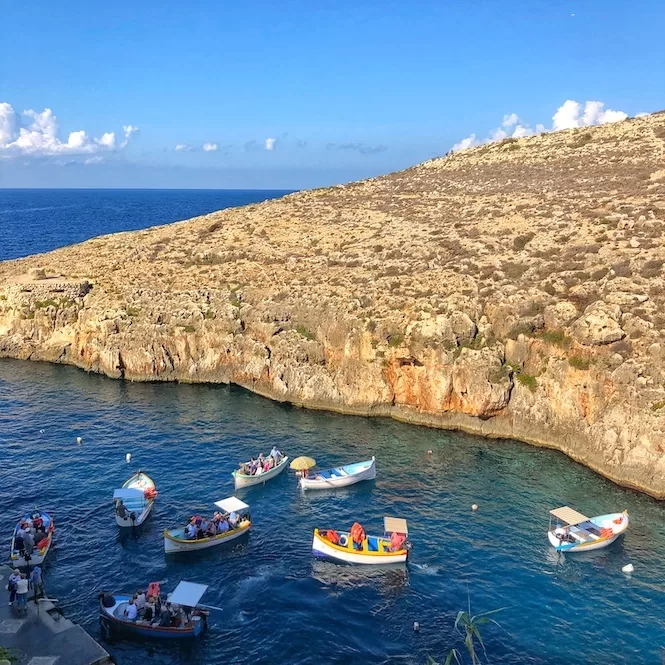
point(560, 315)
point(598, 325)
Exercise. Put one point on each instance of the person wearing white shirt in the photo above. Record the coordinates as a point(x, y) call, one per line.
point(190, 531)
point(131, 612)
point(22, 593)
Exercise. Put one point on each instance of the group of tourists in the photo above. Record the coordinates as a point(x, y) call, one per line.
point(19, 585)
point(200, 527)
point(261, 464)
point(149, 609)
point(30, 533)
point(357, 537)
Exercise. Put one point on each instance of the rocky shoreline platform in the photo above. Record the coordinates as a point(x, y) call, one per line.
point(512, 290)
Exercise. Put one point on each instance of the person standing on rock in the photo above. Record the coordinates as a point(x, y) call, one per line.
point(36, 582)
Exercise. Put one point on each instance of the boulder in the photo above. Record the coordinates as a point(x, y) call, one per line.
point(560, 315)
point(598, 325)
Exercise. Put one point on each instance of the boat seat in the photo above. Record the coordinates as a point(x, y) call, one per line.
point(372, 544)
point(335, 472)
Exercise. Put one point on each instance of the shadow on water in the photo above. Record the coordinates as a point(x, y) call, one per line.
point(190, 438)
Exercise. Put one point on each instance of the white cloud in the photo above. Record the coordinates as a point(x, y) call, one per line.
point(468, 142)
point(97, 159)
point(569, 115)
point(270, 143)
point(210, 147)
point(510, 120)
point(183, 147)
point(36, 134)
point(642, 115)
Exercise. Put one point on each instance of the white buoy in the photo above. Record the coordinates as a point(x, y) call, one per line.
point(41, 431)
point(628, 569)
point(79, 439)
point(416, 627)
point(128, 458)
point(429, 452)
point(474, 507)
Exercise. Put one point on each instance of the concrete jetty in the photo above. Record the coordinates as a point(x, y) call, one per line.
point(43, 636)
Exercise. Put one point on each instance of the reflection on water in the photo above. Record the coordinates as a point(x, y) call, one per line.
point(280, 605)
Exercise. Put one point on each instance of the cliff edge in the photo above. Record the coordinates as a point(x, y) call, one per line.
point(511, 290)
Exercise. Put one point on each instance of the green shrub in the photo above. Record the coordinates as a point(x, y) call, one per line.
point(557, 337)
point(395, 340)
point(528, 380)
point(43, 304)
point(305, 333)
point(189, 329)
point(578, 362)
point(657, 406)
point(209, 314)
point(132, 311)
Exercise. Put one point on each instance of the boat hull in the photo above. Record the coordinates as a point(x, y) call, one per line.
point(241, 480)
point(145, 630)
point(322, 547)
point(175, 544)
point(137, 481)
point(38, 555)
point(597, 544)
point(366, 471)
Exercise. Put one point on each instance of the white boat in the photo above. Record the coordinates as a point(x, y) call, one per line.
point(175, 540)
point(372, 550)
point(245, 480)
point(40, 550)
point(136, 496)
point(571, 531)
point(340, 476)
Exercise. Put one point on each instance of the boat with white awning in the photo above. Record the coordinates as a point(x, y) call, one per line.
point(571, 531)
point(134, 500)
point(234, 521)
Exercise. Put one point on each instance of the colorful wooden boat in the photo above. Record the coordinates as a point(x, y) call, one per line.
point(186, 594)
point(175, 540)
point(374, 550)
point(340, 476)
point(137, 495)
point(41, 549)
point(571, 531)
point(244, 480)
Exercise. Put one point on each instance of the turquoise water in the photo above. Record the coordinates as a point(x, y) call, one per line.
point(279, 604)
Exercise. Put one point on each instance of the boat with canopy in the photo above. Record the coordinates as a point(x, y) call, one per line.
point(234, 519)
point(354, 546)
point(340, 476)
point(185, 617)
point(570, 531)
point(243, 479)
point(134, 500)
point(41, 526)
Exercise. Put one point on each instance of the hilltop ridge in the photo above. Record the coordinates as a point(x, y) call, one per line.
point(515, 289)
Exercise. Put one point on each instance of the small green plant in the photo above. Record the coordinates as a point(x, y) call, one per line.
point(579, 363)
point(468, 625)
point(189, 329)
point(3, 297)
point(43, 304)
point(657, 406)
point(209, 314)
point(305, 333)
point(528, 380)
point(557, 337)
point(235, 301)
point(132, 311)
point(395, 340)
point(6, 654)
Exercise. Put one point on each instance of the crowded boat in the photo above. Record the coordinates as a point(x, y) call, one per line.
point(32, 539)
point(260, 469)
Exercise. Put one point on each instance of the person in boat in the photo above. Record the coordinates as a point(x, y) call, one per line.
point(130, 611)
point(28, 544)
point(564, 535)
point(234, 520)
point(165, 617)
point(121, 510)
point(276, 455)
point(191, 530)
point(40, 535)
point(212, 529)
point(149, 611)
point(140, 602)
point(397, 541)
point(203, 528)
point(357, 534)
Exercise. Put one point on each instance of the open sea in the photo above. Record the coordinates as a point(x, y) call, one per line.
point(279, 605)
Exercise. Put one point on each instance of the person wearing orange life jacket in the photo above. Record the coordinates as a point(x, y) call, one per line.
point(357, 534)
point(397, 541)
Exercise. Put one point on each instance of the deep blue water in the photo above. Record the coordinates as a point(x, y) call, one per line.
point(280, 606)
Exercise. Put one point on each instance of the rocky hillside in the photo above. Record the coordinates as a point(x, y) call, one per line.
point(513, 290)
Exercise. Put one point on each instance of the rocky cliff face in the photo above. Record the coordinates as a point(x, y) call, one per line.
point(511, 290)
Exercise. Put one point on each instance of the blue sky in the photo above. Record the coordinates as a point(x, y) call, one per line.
point(344, 90)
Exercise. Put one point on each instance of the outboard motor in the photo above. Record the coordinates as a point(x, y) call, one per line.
point(107, 600)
